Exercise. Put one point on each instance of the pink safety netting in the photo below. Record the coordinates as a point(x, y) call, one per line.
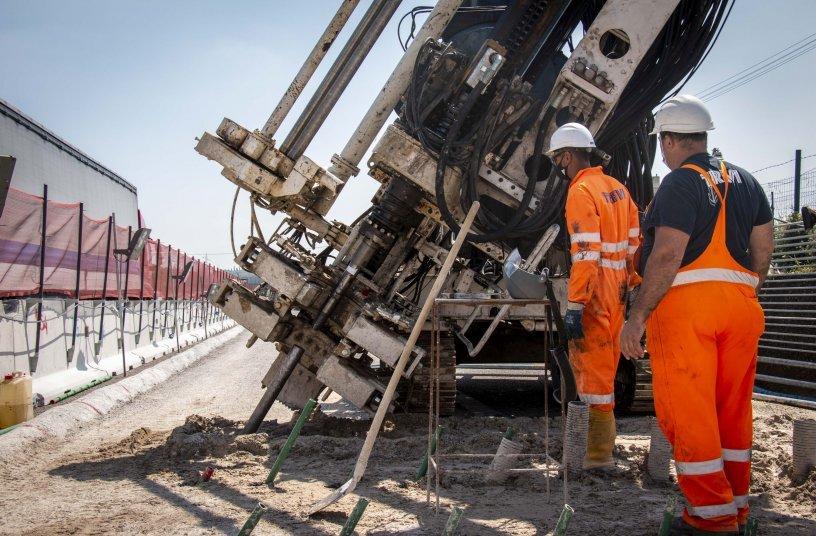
point(20, 240)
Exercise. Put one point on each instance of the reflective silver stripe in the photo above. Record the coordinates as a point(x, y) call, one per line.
point(615, 265)
point(715, 274)
point(735, 455)
point(714, 510)
point(634, 232)
point(741, 501)
point(699, 468)
point(585, 237)
point(597, 399)
point(612, 247)
point(632, 250)
point(586, 256)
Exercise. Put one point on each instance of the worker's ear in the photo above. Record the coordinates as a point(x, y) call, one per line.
point(666, 142)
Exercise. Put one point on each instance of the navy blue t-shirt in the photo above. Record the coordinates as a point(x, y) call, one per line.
point(685, 201)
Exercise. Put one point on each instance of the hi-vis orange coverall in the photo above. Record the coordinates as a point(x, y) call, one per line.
point(702, 339)
point(602, 221)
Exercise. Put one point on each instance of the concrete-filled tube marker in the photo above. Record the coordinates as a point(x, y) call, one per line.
point(804, 448)
point(576, 436)
point(506, 458)
point(660, 452)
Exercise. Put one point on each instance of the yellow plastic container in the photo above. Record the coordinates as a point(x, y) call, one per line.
point(15, 399)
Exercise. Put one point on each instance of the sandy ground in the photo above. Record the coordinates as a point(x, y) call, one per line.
point(137, 470)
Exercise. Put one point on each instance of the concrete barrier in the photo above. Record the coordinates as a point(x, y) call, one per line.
point(64, 419)
point(70, 359)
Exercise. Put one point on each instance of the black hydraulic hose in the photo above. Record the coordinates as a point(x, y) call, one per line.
point(529, 191)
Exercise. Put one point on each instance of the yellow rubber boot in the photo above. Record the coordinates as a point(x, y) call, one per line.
point(600, 439)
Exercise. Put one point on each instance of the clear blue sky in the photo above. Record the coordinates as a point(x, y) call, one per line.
point(132, 83)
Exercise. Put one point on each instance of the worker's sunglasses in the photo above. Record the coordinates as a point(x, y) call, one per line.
point(556, 158)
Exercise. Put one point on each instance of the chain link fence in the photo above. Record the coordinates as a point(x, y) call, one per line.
point(781, 193)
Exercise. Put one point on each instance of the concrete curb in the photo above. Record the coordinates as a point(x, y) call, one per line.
point(64, 419)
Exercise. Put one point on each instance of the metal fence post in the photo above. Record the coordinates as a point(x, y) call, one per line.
point(184, 299)
point(206, 310)
point(32, 362)
point(175, 298)
point(797, 181)
point(141, 289)
point(125, 297)
point(127, 262)
point(77, 282)
point(155, 287)
point(104, 285)
point(167, 292)
point(197, 291)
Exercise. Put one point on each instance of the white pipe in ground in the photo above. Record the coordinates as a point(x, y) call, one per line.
point(576, 436)
point(804, 447)
point(503, 461)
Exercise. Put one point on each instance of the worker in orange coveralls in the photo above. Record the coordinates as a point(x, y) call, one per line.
point(708, 239)
point(602, 221)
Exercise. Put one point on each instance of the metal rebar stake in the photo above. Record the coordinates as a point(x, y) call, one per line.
point(428, 452)
point(547, 404)
point(437, 361)
point(564, 438)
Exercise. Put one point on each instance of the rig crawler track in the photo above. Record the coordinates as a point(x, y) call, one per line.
point(633, 387)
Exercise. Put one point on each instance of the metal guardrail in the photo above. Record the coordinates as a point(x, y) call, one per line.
point(787, 349)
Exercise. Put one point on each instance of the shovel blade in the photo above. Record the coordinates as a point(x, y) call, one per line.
point(333, 497)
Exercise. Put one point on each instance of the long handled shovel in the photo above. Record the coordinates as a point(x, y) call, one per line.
point(382, 409)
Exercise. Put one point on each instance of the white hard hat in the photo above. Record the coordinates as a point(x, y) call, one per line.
point(684, 114)
point(571, 136)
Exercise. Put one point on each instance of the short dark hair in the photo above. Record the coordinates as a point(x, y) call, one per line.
point(578, 152)
point(693, 137)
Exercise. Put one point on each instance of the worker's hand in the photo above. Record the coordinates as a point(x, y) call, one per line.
point(573, 323)
point(630, 338)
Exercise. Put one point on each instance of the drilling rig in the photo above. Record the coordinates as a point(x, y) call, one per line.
point(479, 90)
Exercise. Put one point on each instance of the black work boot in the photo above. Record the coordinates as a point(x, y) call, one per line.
point(679, 527)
